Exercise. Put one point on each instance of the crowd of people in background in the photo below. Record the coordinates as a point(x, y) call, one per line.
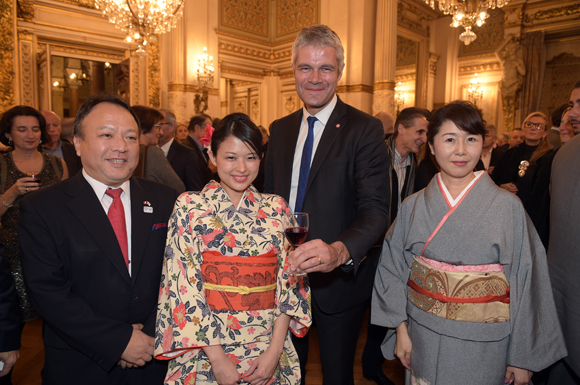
point(125, 278)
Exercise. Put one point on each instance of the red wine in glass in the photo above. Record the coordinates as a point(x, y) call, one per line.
point(296, 231)
point(296, 235)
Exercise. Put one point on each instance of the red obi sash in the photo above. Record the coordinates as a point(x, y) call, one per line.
point(240, 283)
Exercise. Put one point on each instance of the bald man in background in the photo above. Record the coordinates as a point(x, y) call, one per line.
point(55, 146)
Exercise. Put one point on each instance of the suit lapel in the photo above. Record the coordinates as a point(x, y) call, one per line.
point(334, 126)
point(291, 138)
point(172, 151)
point(86, 206)
point(141, 224)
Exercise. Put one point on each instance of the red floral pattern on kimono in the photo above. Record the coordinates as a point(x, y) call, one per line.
point(207, 223)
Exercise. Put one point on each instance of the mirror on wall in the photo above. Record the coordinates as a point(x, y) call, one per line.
point(73, 80)
point(406, 73)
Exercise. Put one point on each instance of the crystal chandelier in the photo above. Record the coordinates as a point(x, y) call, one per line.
point(467, 14)
point(475, 91)
point(204, 80)
point(142, 20)
point(399, 97)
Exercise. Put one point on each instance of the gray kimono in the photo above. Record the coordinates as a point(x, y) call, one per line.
point(488, 226)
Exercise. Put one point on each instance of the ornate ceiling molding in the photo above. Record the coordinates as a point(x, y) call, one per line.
point(293, 15)
point(552, 15)
point(469, 68)
point(413, 18)
point(60, 47)
point(250, 16)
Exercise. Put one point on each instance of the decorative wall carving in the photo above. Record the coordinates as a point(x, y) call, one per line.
point(27, 73)
point(560, 76)
point(571, 11)
point(255, 107)
point(290, 104)
point(178, 105)
point(384, 100)
point(513, 16)
point(44, 80)
point(63, 48)
point(246, 15)
point(81, 3)
point(405, 77)
point(225, 70)
point(135, 81)
point(153, 74)
point(489, 36)
point(490, 66)
point(240, 106)
point(413, 18)
point(25, 10)
point(433, 64)
point(6, 55)
point(406, 51)
point(293, 15)
point(248, 51)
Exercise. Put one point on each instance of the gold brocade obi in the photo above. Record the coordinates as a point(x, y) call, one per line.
point(462, 293)
point(239, 283)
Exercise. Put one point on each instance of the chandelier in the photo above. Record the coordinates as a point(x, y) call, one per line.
point(204, 80)
point(467, 14)
point(399, 97)
point(142, 20)
point(475, 91)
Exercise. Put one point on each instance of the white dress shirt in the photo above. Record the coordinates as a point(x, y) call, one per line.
point(106, 201)
point(319, 126)
point(165, 147)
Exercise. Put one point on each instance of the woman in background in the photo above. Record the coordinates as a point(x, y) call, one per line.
point(468, 301)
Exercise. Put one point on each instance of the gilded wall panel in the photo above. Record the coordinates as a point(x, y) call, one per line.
point(489, 36)
point(246, 15)
point(27, 73)
point(153, 75)
point(544, 16)
point(406, 51)
point(293, 15)
point(6, 55)
point(81, 3)
point(413, 19)
point(25, 10)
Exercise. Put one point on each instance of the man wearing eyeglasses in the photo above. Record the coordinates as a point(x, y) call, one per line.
point(184, 160)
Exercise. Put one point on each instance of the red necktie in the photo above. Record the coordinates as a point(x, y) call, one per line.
point(116, 215)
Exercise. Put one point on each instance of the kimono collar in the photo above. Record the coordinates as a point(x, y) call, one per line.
point(220, 203)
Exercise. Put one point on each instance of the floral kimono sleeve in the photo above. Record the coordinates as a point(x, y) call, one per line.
point(184, 318)
point(292, 291)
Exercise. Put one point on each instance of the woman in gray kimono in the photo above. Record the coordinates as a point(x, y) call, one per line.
point(463, 281)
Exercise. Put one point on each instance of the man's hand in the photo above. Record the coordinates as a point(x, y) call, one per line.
point(140, 349)
point(318, 256)
point(9, 359)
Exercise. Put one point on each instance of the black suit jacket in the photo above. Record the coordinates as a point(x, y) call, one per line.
point(201, 159)
point(72, 160)
point(346, 196)
point(9, 322)
point(80, 286)
point(187, 166)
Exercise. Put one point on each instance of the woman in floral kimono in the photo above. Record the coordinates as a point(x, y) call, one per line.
point(463, 280)
point(227, 304)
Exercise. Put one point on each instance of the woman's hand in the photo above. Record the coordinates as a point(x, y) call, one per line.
point(223, 367)
point(509, 187)
point(262, 369)
point(403, 346)
point(25, 185)
point(517, 376)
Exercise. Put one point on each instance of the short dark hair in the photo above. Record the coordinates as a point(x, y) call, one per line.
point(407, 118)
point(197, 120)
point(94, 100)
point(147, 117)
point(240, 126)
point(7, 121)
point(557, 113)
point(577, 85)
point(465, 115)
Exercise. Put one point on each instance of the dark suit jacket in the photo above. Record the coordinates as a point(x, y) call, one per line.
point(201, 159)
point(80, 286)
point(186, 164)
point(9, 322)
point(72, 160)
point(346, 195)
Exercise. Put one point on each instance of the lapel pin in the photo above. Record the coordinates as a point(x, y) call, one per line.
point(147, 207)
point(338, 126)
point(146, 203)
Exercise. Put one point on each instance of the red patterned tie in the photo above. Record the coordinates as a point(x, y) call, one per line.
point(116, 215)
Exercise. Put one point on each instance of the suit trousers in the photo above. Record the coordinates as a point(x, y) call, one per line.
point(372, 358)
point(337, 337)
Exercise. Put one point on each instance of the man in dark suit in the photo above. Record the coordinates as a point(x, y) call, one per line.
point(58, 147)
point(196, 129)
point(92, 252)
point(9, 323)
point(490, 156)
point(184, 160)
point(330, 160)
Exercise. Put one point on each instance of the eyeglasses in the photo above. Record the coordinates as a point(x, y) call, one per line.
point(157, 126)
point(538, 126)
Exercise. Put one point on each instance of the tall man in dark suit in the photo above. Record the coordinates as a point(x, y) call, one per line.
point(184, 160)
point(58, 147)
point(330, 160)
point(196, 129)
point(9, 322)
point(92, 254)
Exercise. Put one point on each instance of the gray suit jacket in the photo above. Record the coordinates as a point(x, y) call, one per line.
point(564, 249)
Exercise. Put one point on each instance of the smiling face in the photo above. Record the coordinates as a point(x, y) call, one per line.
point(575, 112)
point(566, 129)
point(457, 152)
point(316, 74)
point(410, 139)
point(534, 130)
point(25, 133)
point(237, 166)
point(109, 149)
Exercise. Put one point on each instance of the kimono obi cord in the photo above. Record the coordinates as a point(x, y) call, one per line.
point(235, 283)
point(476, 293)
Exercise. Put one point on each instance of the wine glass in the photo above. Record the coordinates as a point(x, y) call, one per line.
point(296, 230)
point(34, 175)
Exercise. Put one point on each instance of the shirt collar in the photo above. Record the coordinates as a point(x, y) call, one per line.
point(404, 163)
point(165, 147)
point(59, 145)
point(324, 114)
point(100, 187)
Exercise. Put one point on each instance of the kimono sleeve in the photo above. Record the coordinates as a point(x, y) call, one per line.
point(292, 291)
point(536, 338)
point(184, 318)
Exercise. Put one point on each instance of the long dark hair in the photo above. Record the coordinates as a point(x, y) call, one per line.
point(240, 126)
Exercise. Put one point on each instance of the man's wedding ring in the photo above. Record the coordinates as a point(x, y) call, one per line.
point(319, 260)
